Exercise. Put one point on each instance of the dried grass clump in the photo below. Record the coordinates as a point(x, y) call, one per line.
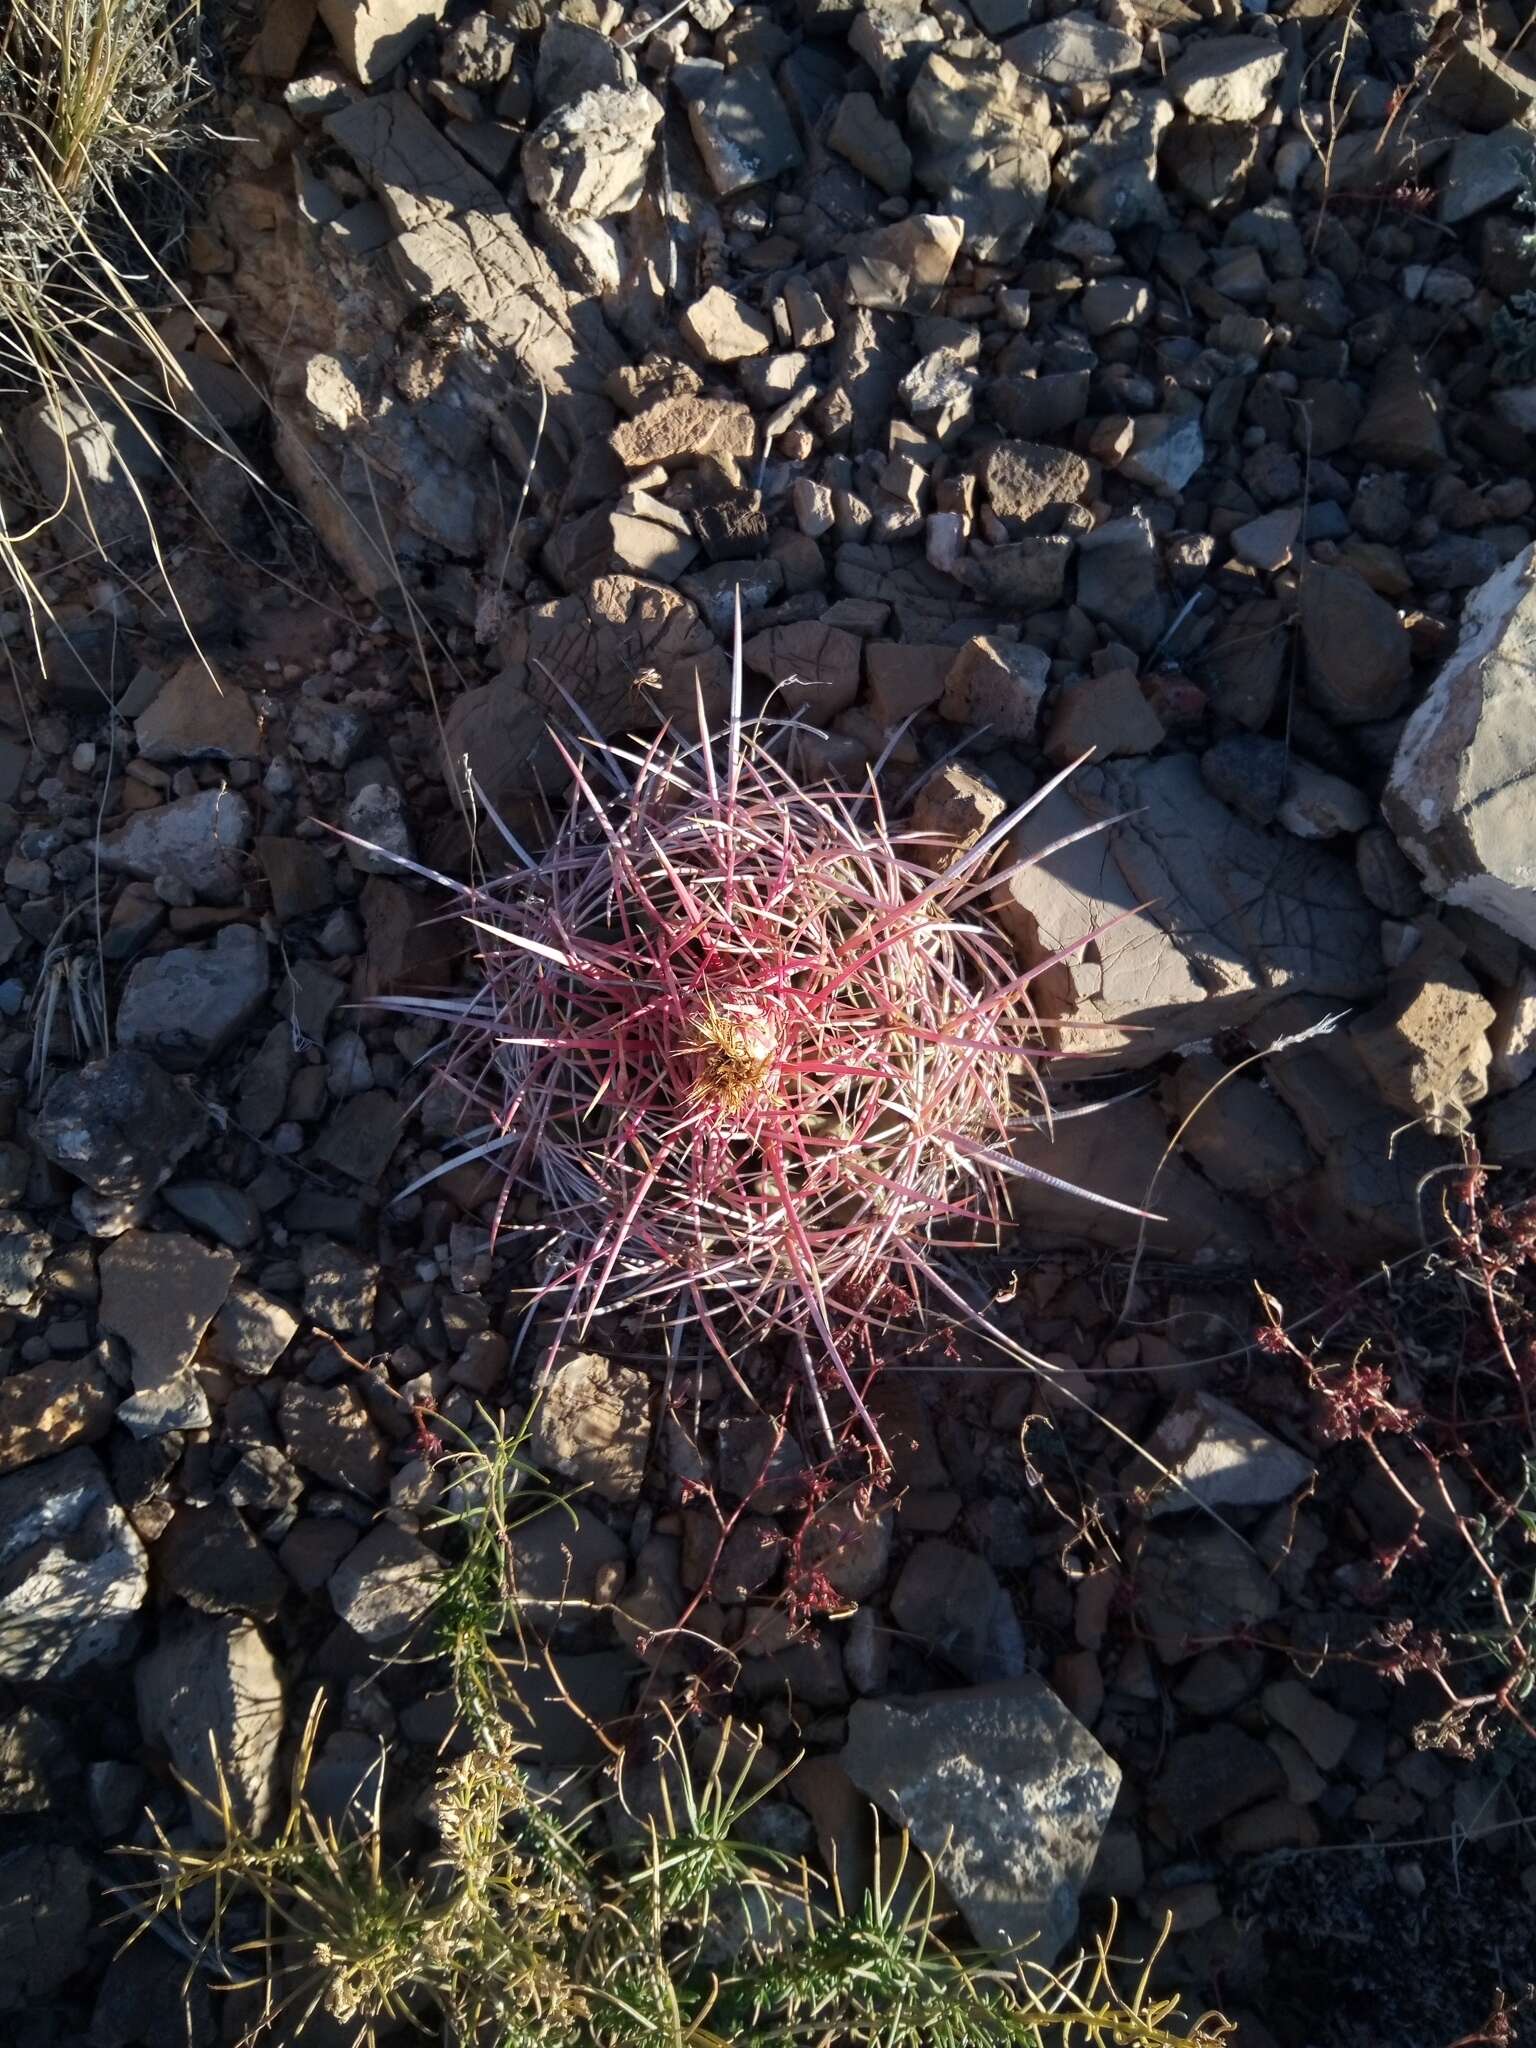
point(654, 1923)
point(93, 96)
point(757, 1057)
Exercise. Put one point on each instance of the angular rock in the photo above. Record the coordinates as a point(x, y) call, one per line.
point(1484, 171)
point(1426, 1044)
point(1074, 50)
point(210, 1559)
point(723, 330)
point(1321, 806)
point(299, 876)
point(903, 680)
point(741, 126)
point(1197, 1582)
point(159, 1292)
point(24, 1255)
point(871, 143)
point(1218, 1458)
point(1227, 78)
point(953, 1603)
point(601, 645)
point(1474, 86)
point(905, 266)
point(1323, 1732)
point(554, 1562)
point(892, 37)
point(683, 428)
point(1401, 428)
point(848, 1540)
point(177, 1402)
point(1245, 662)
point(953, 809)
point(1120, 1155)
point(45, 1920)
point(373, 35)
point(361, 1136)
point(589, 157)
point(1111, 179)
point(1166, 451)
point(195, 839)
point(1242, 1138)
point(384, 1587)
point(981, 150)
point(575, 58)
point(224, 1212)
point(92, 459)
point(649, 538)
point(1003, 1789)
point(815, 668)
point(328, 1431)
point(195, 718)
point(340, 1286)
point(46, 1408)
point(73, 1574)
point(188, 1005)
point(1119, 581)
point(1000, 684)
point(251, 1331)
point(1210, 1776)
point(1359, 654)
point(1103, 716)
point(1461, 796)
point(1023, 478)
point(1378, 1167)
point(1218, 920)
point(592, 1424)
point(210, 1698)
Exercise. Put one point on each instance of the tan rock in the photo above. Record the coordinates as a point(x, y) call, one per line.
point(814, 667)
point(682, 428)
point(1426, 1046)
point(373, 35)
point(1022, 478)
point(159, 1292)
point(592, 1424)
point(1102, 716)
point(46, 1408)
point(723, 330)
point(956, 809)
point(1000, 684)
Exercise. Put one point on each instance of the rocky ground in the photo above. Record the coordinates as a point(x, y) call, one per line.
point(1044, 381)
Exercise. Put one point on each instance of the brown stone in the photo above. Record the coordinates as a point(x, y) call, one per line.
point(1359, 655)
point(956, 809)
point(682, 428)
point(1426, 1046)
point(1023, 478)
point(1102, 716)
point(1000, 684)
point(814, 667)
point(46, 1408)
point(904, 679)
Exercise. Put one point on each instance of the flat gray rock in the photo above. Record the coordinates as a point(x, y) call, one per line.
point(1004, 1789)
point(73, 1574)
point(210, 1698)
point(1462, 793)
point(1216, 920)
